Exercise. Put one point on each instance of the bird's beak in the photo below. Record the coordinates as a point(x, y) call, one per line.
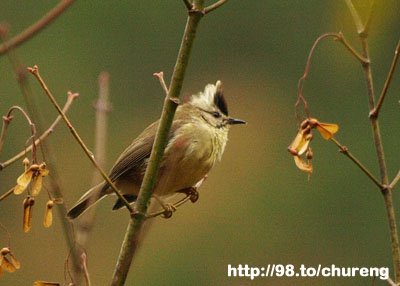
point(233, 121)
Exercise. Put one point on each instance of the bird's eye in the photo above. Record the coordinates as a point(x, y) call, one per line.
point(216, 114)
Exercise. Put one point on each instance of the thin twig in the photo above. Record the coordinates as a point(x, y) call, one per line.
point(214, 6)
point(377, 108)
point(337, 36)
point(344, 150)
point(50, 130)
point(35, 72)
point(6, 121)
point(160, 76)
point(395, 181)
point(391, 282)
point(6, 194)
point(36, 27)
point(85, 269)
point(386, 192)
point(102, 106)
point(131, 239)
point(362, 59)
point(54, 181)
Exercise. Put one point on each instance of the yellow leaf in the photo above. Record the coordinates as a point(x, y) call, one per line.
point(23, 182)
point(15, 261)
point(300, 143)
point(302, 165)
point(36, 185)
point(7, 265)
point(327, 130)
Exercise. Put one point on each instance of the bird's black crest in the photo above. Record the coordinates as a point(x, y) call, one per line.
point(220, 102)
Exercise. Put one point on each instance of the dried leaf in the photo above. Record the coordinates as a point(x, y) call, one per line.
point(48, 215)
point(302, 165)
point(45, 283)
point(27, 217)
point(300, 142)
point(15, 261)
point(327, 130)
point(7, 265)
point(36, 185)
point(23, 182)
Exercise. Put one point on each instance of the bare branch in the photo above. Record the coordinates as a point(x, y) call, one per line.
point(214, 6)
point(35, 72)
point(395, 181)
point(160, 76)
point(70, 99)
point(375, 111)
point(36, 27)
point(337, 36)
point(345, 151)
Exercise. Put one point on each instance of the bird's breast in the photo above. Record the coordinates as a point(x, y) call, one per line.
point(189, 156)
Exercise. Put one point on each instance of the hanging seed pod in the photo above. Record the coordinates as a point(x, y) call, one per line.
point(48, 214)
point(28, 203)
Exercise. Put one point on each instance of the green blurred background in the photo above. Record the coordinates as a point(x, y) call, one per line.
point(256, 207)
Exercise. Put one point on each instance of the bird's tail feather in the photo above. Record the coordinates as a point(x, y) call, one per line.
point(86, 201)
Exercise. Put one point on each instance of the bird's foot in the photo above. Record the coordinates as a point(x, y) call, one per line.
point(192, 193)
point(169, 209)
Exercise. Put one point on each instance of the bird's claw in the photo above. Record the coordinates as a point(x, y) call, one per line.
point(192, 193)
point(169, 209)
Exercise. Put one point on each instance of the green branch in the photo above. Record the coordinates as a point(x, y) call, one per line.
point(130, 243)
point(386, 190)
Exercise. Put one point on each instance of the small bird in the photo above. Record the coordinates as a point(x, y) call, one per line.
point(197, 139)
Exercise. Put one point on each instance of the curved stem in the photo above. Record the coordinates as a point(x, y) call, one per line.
point(70, 99)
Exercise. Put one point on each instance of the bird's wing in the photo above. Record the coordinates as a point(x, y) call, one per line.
point(139, 150)
point(133, 156)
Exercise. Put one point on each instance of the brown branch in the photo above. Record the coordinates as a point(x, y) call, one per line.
point(377, 108)
point(6, 121)
point(395, 181)
point(70, 99)
point(386, 192)
point(345, 151)
point(160, 76)
point(103, 107)
point(85, 269)
point(35, 72)
point(36, 27)
point(337, 36)
point(214, 6)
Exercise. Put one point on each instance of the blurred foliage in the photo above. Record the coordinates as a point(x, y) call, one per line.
point(256, 207)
